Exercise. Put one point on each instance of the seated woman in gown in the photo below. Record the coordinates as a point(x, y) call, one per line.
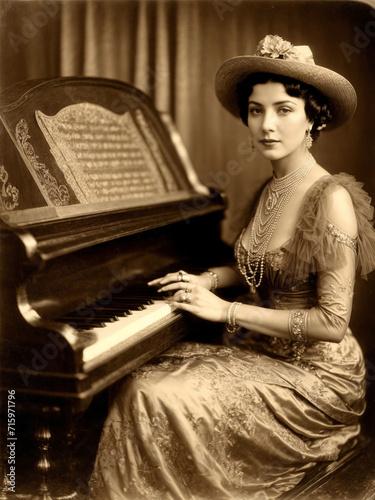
point(247, 419)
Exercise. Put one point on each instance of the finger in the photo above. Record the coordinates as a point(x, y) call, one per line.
point(168, 278)
point(181, 296)
point(187, 287)
point(153, 282)
point(181, 305)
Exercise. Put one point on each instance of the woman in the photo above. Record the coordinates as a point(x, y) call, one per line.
point(247, 420)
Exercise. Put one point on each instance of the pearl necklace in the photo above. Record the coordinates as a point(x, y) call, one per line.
point(270, 207)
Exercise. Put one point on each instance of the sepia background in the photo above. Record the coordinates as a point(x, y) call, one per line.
point(172, 50)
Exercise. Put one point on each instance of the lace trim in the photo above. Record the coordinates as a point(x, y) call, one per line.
point(341, 236)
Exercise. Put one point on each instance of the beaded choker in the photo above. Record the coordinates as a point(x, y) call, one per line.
point(270, 207)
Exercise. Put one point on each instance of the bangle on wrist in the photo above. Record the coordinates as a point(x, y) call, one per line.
point(214, 280)
point(231, 325)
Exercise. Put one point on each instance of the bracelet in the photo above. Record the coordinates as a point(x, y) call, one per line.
point(231, 317)
point(297, 325)
point(214, 280)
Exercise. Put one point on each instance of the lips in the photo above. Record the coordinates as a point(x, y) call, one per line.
point(268, 141)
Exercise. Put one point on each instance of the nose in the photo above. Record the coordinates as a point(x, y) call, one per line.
point(269, 123)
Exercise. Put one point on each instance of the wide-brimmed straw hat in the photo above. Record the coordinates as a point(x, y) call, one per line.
point(277, 56)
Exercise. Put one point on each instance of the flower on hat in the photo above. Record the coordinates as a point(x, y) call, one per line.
point(275, 47)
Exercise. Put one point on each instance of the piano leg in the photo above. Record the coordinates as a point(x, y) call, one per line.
point(69, 466)
point(65, 489)
point(43, 437)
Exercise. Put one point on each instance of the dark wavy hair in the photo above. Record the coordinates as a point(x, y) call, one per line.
point(317, 106)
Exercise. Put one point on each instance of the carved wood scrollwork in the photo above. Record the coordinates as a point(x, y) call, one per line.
point(57, 194)
point(9, 193)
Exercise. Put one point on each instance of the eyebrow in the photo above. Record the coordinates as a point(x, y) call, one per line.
point(274, 104)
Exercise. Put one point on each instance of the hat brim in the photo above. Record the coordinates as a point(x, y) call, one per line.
point(336, 88)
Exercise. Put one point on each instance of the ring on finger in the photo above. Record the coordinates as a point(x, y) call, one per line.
point(182, 276)
point(186, 298)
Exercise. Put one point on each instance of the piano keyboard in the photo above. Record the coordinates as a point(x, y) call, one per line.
point(126, 331)
point(111, 328)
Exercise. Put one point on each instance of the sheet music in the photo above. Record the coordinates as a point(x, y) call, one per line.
point(105, 156)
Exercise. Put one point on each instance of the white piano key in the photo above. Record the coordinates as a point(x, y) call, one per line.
point(114, 334)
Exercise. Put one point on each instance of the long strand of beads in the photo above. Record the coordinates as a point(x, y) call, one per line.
point(272, 202)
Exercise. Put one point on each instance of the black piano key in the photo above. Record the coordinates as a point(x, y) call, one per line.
point(141, 292)
point(106, 315)
point(136, 299)
point(130, 300)
point(127, 299)
point(79, 319)
point(110, 307)
point(115, 312)
point(106, 319)
point(135, 307)
point(118, 311)
point(85, 326)
point(144, 300)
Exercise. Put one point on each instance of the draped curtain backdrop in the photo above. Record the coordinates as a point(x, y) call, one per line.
point(172, 49)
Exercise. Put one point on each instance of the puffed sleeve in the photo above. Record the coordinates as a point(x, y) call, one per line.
point(312, 248)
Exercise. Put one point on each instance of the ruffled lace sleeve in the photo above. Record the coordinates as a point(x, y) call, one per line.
point(317, 245)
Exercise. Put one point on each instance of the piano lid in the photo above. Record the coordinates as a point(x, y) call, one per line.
point(78, 146)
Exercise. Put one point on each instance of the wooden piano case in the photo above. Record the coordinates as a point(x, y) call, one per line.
point(97, 196)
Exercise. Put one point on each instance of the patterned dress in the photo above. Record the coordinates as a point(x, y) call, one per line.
point(247, 419)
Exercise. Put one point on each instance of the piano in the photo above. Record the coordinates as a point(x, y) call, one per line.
point(98, 196)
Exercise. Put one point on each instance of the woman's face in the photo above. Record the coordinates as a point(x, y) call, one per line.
point(277, 121)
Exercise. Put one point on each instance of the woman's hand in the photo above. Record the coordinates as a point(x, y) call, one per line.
point(172, 282)
point(191, 293)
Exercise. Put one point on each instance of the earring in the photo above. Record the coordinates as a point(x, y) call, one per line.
point(308, 138)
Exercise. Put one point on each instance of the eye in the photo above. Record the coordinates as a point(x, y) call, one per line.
point(285, 111)
point(255, 111)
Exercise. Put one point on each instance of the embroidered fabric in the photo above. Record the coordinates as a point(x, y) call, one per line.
point(297, 324)
point(341, 236)
point(247, 420)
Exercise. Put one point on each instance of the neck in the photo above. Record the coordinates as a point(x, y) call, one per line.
point(288, 164)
